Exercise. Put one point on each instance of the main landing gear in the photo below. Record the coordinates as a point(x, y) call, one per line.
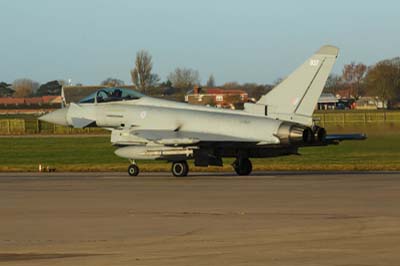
point(178, 169)
point(243, 166)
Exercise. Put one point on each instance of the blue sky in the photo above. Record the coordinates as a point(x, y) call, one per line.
point(244, 41)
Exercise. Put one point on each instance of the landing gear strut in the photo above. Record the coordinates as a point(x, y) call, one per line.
point(243, 166)
point(133, 169)
point(180, 169)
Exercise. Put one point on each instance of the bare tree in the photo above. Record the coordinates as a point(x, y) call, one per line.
point(63, 82)
point(211, 81)
point(333, 84)
point(255, 90)
point(383, 80)
point(184, 78)
point(112, 82)
point(154, 80)
point(24, 87)
point(278, 81)
point(141, 73)
point(231, 85)
point(353, 75)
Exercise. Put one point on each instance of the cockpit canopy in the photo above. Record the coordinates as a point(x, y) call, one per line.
point(112, 95)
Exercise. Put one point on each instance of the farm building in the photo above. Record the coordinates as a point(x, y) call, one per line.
point(233, 99)
point(327, 101)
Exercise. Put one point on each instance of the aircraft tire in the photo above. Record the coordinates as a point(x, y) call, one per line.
point(133, 170)
point(180, 169)
point(243, 167)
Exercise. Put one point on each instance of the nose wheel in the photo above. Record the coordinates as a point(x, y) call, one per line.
point(243, 166)
point(180, 169)
point(133, 170)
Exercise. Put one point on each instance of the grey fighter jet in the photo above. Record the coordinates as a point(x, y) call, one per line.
point(146, 128)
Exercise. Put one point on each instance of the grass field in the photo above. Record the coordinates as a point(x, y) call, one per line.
point(93, 153)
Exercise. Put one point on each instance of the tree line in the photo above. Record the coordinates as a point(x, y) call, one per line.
point(380, 80)
point(27, 88)
point(357, 79)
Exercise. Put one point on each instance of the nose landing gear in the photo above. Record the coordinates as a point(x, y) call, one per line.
point(133, 170)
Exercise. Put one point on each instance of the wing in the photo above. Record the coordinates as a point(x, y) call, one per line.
point(172, 138)
point(185, 137)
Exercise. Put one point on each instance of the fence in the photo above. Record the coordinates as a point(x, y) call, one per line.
point(324, 119)
point(357, 118)
point(34, 126)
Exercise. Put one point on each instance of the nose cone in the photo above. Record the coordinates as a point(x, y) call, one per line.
point(57, 117)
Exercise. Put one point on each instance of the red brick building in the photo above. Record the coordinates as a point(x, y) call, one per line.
point(233, 99)
point(33, 101)
point(31, 106)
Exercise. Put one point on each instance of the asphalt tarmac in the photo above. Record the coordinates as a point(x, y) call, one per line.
point(341, 219)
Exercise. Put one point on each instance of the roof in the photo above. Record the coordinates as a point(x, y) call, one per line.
point(219, 91)
point(9, 100)
point(327, 98)
point(51, 99)
point(33, 100)
point(30, 101)
point(345, 93)
point(223, 91)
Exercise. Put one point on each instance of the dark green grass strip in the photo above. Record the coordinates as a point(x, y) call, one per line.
point(379, 152)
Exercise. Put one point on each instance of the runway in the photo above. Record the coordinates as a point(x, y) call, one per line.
point(342, 219)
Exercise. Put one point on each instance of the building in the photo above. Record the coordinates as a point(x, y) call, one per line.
point(29, 106)
point(11, 102)
point(327, 101)
point(222, 98)
point(52, 99)
point(345, 93)
point(370, 103)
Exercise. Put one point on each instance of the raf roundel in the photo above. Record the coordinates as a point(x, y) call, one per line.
point(295, 101)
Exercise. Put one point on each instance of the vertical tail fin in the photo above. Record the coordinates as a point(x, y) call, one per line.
point(295, 98)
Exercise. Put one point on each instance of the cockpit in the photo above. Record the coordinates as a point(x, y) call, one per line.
point(112, 95)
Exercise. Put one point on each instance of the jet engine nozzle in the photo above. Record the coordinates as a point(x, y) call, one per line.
point(289, 133)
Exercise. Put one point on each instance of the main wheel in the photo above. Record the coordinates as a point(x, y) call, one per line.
point(133, 170)
point(243, 167)
point(180, 169)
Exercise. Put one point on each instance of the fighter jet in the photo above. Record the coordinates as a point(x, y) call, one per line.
point(147, 128)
